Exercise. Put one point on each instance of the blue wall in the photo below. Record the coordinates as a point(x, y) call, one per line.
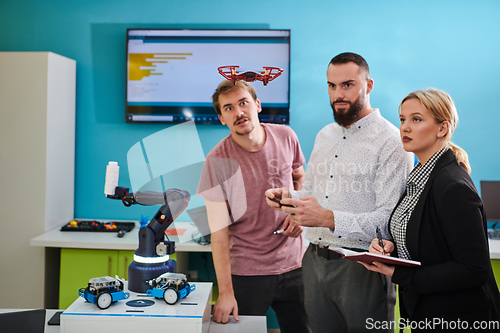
point(452, 45)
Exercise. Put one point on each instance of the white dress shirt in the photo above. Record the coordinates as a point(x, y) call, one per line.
point(359, 173)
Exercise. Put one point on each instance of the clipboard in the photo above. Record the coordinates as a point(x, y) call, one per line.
point(369, 258)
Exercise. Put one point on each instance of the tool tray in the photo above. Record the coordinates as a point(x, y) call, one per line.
point(97, 226)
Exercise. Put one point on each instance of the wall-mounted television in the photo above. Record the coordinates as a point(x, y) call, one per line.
point(172, 73)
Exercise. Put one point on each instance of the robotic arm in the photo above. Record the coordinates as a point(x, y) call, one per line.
point(151, 237)
point(151, 259)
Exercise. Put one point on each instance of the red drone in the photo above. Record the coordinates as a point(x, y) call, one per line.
point(266, 75)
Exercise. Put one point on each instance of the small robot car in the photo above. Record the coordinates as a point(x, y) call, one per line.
point(103, 291)
point(170, 286)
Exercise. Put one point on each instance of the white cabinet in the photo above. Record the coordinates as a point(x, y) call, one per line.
point(37, 163)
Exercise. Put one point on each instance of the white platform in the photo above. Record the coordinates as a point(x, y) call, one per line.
point(189, 315)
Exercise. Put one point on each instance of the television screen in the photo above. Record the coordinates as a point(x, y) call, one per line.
point(172, 74)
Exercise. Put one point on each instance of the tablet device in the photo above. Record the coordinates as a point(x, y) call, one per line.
point(56, 319)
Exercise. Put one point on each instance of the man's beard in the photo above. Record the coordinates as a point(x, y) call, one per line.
point(347, 118)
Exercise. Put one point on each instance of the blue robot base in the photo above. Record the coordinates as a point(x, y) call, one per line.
point(139, 273)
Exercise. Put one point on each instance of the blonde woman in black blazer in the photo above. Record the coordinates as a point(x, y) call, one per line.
point(440, 222)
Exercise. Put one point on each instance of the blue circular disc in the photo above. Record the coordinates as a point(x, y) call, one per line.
point(140, 303)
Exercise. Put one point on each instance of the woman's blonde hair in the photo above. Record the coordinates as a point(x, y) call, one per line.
point(442, 108)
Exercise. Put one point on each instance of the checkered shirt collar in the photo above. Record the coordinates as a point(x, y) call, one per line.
point(420, 174)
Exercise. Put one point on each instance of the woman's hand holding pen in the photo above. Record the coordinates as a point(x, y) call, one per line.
point(386, 250)
point(376, 248)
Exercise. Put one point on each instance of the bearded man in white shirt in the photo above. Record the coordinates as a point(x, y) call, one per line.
point(355, 176)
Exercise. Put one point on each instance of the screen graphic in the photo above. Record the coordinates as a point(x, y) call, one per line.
point(172, 74)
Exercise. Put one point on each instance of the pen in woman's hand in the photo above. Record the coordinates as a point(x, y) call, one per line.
point(380, 242)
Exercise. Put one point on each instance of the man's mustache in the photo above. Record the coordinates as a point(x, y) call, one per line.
point(342, 101)
point(239, 119)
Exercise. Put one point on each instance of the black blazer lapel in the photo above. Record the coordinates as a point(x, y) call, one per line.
point(413, 228)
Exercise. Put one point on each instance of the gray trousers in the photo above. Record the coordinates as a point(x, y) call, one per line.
point(284, 293)
point(343, 296)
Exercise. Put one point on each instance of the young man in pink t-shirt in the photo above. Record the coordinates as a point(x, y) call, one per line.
point(256, 268)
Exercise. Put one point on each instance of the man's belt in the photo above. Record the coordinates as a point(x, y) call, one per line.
point(325, 253)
